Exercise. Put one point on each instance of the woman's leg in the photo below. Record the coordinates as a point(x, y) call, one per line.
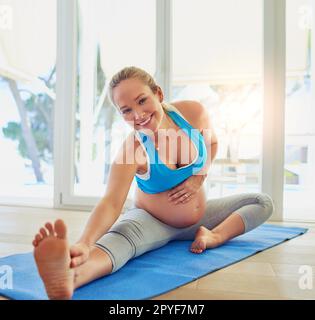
point(98, 265)
point(228, 217)
point(205, 238)
point(136, 232)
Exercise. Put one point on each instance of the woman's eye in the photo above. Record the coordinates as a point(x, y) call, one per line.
point(126, 111)
point(142, 101)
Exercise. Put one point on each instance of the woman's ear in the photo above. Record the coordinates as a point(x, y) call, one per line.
point(160, 94)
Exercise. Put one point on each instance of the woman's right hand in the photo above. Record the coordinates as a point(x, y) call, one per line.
point(79, 253)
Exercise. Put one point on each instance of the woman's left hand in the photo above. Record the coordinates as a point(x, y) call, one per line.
point(187, 190)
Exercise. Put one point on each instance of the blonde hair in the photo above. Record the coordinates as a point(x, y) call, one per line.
point(131, 73)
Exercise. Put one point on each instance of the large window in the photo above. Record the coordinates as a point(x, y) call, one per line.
point(228, 54)
point(111, 35)
point(299, 173)
point(27, 95)
point(217, 60)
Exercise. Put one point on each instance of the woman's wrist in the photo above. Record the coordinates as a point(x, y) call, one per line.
point(85, 242)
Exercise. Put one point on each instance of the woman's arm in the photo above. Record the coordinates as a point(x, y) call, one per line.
point(101, 219)
point(109, 208)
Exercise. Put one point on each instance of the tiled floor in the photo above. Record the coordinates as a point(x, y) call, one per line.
point(271, 274)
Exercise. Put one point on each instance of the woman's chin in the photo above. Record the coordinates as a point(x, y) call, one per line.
point(150, 127)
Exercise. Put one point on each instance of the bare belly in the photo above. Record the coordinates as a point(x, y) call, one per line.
point(179, 215)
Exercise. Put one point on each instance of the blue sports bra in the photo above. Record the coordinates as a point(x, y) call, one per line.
point(159, 177)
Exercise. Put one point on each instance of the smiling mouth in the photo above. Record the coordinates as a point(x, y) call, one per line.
point(143, 123)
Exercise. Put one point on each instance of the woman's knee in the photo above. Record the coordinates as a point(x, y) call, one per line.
point(257, 211)
point(119, 243)
point(267, 203)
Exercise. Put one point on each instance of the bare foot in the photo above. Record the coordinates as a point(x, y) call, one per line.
point(205, 239)
point(52, 256)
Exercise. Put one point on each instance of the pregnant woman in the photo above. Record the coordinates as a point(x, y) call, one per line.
point(169, 153)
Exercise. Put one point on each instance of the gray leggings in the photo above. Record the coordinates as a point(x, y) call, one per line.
point(136, 231)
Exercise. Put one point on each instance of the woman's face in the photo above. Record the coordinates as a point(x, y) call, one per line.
point(138, 105)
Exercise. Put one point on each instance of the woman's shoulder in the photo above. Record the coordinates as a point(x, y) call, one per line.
point(199, 117)
point(193, 111)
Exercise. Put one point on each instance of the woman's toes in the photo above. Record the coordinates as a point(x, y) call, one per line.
point(50, 228)
point(34, 243)
point(38, 238)
point(43, 232)
point(196, 249)
point(60, 229)
point(198, 246)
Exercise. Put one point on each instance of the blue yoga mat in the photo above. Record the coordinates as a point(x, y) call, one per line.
point(153, 273)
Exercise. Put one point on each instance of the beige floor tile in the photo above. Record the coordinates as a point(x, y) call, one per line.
point(290, 269)
point(244, 267)
point(283, 258)
point(15, 238)
point(190, 285)
point(3, 298)
point(291, 248)
point(280, 286)
point(7, 249)
point(186, 294)
point(302, 243)
point(7, 239)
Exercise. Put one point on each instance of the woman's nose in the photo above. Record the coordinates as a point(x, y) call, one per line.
point(139, 114)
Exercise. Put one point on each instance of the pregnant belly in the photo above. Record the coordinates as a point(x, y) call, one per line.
point(176, 215)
